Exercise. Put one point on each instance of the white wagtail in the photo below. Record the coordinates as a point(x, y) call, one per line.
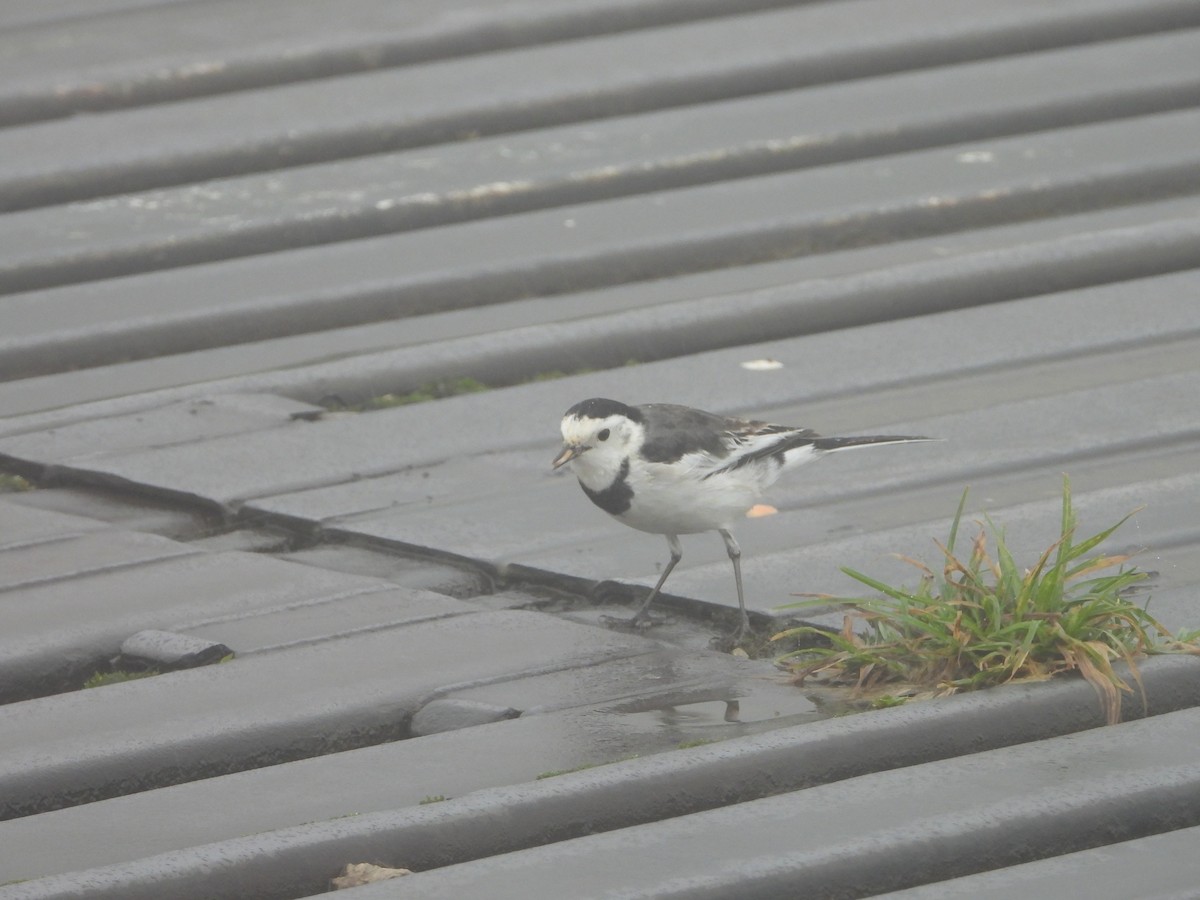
point(673, 470)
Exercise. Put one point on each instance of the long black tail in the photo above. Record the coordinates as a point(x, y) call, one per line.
point(829, 444)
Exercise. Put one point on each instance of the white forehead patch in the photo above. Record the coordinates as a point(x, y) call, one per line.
point(625, 433)
point(577, 430)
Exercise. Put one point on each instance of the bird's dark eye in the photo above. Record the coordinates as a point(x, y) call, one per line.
point(602, 435)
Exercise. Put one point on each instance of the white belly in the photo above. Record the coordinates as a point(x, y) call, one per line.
point(666, 501)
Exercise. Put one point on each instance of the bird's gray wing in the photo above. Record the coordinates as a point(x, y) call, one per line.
point(761, 440)
point(673, 432)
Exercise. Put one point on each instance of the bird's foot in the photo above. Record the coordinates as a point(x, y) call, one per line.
point(635, 624)
point(739, 637)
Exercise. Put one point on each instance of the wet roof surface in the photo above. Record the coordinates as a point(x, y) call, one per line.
point(227, 227)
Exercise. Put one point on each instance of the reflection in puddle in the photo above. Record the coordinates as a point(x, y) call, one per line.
point(704, 720)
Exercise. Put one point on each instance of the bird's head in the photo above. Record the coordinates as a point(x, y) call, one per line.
point(598, 435)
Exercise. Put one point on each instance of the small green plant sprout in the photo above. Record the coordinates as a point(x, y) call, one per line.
point(447, 387)
point(433, 390)
point(12, 484)
point(984, 621)
point(554, 773)
point(100, 679)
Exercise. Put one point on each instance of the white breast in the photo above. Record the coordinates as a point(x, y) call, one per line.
point(678, 498)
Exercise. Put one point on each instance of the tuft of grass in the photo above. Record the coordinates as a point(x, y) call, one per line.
point(102, 678)
point(555, 374)
point(982, 621)
point(432, 798)
point(554, 773)
point(14, 484)
point(447, 387)
point(433, 390)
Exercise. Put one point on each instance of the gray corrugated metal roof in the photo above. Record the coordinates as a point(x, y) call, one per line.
point(973, 220)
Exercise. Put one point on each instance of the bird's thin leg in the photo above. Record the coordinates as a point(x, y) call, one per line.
point(676, 555)
point(735, 556)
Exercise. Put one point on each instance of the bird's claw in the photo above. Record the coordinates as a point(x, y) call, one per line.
point(727, 643)
point(635, 623)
